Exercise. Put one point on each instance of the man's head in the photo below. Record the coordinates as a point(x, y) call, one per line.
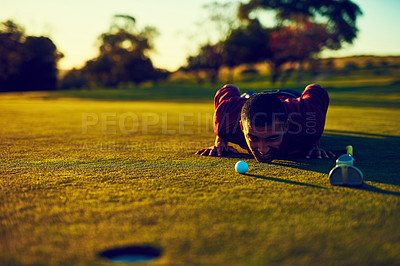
point(264, 122)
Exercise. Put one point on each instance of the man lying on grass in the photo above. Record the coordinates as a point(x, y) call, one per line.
point(270, 124)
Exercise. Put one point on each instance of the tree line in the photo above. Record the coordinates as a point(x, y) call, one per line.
point(123, 58)
point(301, 30)
point(26, 62)
point(30, 63)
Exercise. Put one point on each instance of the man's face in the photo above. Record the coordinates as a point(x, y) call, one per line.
point(264, 142)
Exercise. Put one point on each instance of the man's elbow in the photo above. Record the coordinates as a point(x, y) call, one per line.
point(322, 94)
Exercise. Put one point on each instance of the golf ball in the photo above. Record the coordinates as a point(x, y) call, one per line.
point(241, 167)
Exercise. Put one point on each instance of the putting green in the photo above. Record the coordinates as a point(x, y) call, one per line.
point(79, 176)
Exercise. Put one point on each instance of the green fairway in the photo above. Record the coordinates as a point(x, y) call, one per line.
point(78, 176)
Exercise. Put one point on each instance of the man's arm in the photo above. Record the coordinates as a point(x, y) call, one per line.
point(227, 107)
point(316, 101)
point(220, 146)
point(319, 153)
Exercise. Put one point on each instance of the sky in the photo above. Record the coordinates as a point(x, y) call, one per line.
point(74, 26)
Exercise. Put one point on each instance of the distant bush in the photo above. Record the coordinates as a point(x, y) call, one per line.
point(123, 58)
point(250, 71)
point(350, 67)
point(26, 62)
point(74, 79)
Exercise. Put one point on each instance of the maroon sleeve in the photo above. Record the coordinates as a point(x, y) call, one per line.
point(307, 115)
point(315, 101)
point(227, 108)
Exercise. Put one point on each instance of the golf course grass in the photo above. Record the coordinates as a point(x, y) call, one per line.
point(80, 174)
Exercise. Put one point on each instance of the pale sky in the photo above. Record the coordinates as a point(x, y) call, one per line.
point(74, 26)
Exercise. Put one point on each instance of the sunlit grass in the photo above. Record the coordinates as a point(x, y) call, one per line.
point(72, 186)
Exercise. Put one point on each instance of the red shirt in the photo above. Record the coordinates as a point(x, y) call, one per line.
point(306, 116)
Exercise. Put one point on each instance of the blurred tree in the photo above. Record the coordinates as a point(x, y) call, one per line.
point(339, 16)
point(369, 64)
point(296, 43)
point(304, 27)
point(11, 39)
point(26, 62)
point(74, 79)
point(246, 45)
point(330, 65)
point(123, 56)
point(123, 53)
point(211, 55)
point(384, 63)
point(195, 66)
point(350, 67)
point(209, 60)
point(39, 64)
point(315, 66)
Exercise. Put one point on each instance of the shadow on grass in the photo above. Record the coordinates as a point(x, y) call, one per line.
point(371, 188)
point(365, 187)
point(284, 181)
point(376, 155)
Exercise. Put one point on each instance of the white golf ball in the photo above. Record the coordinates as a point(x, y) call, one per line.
point(241, 167)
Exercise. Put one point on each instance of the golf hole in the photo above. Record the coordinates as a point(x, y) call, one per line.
point(131, 254)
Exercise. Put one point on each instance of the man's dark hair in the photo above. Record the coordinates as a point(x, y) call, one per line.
point(261, 109)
